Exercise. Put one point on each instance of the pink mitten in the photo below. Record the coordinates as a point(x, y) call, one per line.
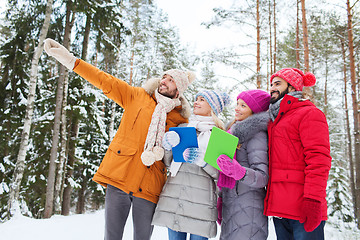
point(310, 214)
point(231, 168)
point(219, 210)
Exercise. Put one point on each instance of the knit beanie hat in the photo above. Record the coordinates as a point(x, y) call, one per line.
point(217, 101)
point(295, 78)
point(257, 100)
point(181, 78)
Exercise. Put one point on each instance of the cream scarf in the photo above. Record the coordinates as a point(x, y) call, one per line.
point(203, 125)
point(153, 150)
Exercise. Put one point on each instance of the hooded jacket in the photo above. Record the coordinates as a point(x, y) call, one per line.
point(299, 158)
point(243, 205)
point(122, 166)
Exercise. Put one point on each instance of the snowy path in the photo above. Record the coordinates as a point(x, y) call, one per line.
point(90, 226)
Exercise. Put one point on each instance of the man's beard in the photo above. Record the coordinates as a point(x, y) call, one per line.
point(171, 94)
point(280, 96)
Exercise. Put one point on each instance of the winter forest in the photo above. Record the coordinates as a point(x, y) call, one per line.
point(55, 127)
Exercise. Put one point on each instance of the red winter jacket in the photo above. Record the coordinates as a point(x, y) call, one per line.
point(299, 159)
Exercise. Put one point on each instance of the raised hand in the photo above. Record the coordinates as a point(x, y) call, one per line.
point(60, 53)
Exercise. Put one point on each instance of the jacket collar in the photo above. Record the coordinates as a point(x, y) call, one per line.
point(289, 103)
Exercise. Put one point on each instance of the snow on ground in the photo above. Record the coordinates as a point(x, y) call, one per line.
point(90, 226)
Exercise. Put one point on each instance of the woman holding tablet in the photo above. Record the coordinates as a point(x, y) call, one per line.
point(187, 203)
point(242, 180)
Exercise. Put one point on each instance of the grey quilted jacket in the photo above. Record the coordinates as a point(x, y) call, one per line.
point(188, 201)
point(243, 205)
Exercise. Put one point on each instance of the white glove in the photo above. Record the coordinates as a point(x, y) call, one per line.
point(170, 140)
point(60, 53)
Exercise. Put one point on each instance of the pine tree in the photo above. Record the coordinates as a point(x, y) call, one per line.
point(250, 18)
point(24, 28)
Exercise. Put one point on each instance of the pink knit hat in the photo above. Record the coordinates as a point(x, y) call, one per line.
point(257, 100)
point(295, 78)
point(181, 78)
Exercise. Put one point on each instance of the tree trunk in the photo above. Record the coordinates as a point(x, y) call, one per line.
point(355, 110)
point(348, 131)
point(62, 156)
point(307, 91)
point(258, 77)
point(85, 44)
point(66, 203)
point(305, 37)
point(275, 40)
point(56, 128)
point(112, 122)
point(270, 41)
point(132, 65)
point(297, 51)
point(20, 163)
point(80, 205)
point(325, 87)
point(59, 185)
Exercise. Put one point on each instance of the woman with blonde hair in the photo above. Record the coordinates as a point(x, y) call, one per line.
point(187, 203)
point(242, 180)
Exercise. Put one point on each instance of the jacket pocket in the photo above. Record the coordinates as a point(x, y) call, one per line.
point(155, 178)
point(291, 176)
point(287, 191)
point(116, 161)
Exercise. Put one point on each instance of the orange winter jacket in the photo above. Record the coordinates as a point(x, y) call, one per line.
point(122, 166)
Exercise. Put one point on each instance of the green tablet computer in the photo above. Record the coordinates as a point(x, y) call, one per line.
point(220, 142)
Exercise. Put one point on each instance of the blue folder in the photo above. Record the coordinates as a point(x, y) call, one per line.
point(188, 138)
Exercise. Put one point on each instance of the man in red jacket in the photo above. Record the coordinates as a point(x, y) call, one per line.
point(299, 159)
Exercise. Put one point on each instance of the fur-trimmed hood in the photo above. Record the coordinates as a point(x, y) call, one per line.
point(152, 84)
point(250, 126)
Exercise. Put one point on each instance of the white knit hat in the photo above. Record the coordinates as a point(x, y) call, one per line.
point(181, 78)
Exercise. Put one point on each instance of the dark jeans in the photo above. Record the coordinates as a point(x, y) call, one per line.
point(117, 208)
point(173, 235)
point(288, 229)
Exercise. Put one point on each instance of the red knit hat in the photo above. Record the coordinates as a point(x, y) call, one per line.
point(295, 78)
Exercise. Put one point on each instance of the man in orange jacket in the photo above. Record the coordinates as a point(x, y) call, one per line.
point(132, 169)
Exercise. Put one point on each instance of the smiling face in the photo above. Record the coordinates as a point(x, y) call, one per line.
point(168, 87)
point(201, 107)
point(278, 88)
point(242, 110)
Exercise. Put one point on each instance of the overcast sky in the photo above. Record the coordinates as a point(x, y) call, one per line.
point(187, 16)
